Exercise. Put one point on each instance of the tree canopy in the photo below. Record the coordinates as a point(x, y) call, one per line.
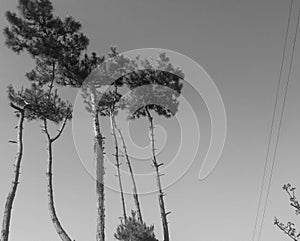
point(133, 230)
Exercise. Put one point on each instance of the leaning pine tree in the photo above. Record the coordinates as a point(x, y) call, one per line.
point(115, 98)
point(107, 107)
point(155, 88)
point(105, 74)
point(134, 186)
point(21, 114)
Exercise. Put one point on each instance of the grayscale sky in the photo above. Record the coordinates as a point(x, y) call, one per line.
point(239, 44)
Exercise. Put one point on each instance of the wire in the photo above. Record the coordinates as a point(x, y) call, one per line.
point(273, 119)
point(280, 123)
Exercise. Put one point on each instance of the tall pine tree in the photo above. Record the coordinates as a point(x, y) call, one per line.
point(107, 108)
point(44, 105)
point(105, 75)
point(21, 114)
point(134, 186)
point(57, 45)
point(155, 88)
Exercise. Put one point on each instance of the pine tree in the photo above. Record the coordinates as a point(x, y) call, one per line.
point(44, 105)
point(118, 163)
point(105, 74)
point(155, 88)
point(108, 105)
point(133, 230)
point(134, 186)
point(21, 114)
point(57, 47)
point(107, 108)
point(130, 66)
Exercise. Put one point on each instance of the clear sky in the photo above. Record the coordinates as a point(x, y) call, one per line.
point(239, 44)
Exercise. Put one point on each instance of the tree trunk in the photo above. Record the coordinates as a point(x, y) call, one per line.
point(15, 182)
point(99, 158)
point(59, 229)
point(135, 193)
point(161, 195)
point(113, 129)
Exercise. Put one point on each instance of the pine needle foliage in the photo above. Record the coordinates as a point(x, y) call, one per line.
point(133, 230)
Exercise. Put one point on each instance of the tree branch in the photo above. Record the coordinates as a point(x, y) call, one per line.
point(16, 107)
point(61, 129)
point(287, 229)
point(293, 199)
point(52, 80)
point(46, 129)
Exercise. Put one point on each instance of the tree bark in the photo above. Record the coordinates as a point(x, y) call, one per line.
point(113, 129)
point(15, 182)
point(99, 158)
point(135, 193)
point(57, 225)
point(161, 195)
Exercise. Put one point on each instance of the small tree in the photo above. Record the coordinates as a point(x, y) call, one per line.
point(133, 230)
point(289, 228)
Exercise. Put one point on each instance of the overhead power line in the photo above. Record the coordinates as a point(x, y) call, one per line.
point(275, 129)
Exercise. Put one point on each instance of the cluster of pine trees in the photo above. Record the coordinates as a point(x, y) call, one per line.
point(59, 49)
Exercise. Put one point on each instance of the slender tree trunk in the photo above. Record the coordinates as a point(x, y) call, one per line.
point(57, 225)
point(135, 193)
point(15, 182)
point(161, 195)
point(49, 174)
point(113, 130)
point(99, 158)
